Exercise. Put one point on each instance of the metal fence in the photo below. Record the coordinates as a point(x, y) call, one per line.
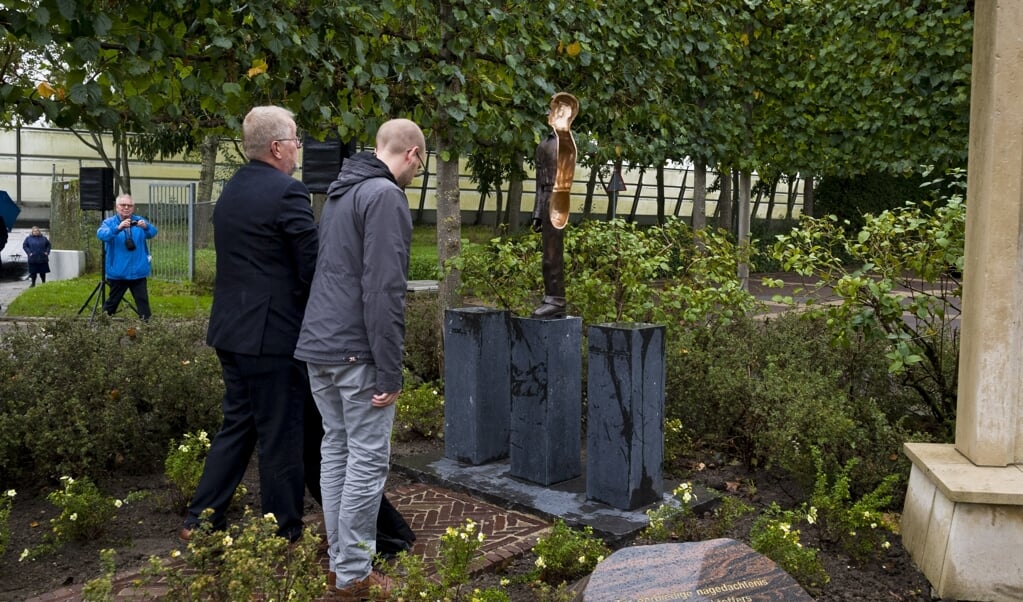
point(171, 208)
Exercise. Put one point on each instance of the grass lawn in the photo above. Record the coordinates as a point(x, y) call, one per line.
point(182, 300)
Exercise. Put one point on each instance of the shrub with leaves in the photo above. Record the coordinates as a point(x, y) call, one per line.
point(248, 561)
point(185, 461)
point(768, 391)
point(566, 554)
point(903, 261)
point(6, 503)
point(665, 274)
point(101, 589)
point(675, 518)
point(458, 550)
point(85, 513)
point(93, 398)
point(774, 535)
point(862, 526)
point(420, 410)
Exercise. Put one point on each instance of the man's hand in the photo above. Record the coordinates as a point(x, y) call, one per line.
point(141, 223)
point(125, 223)
point(382, 400)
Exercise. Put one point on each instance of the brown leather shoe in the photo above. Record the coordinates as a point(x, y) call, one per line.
point(185, 534)
point(376, 586)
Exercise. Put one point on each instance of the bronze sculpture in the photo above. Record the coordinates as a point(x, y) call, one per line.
point(555, 169)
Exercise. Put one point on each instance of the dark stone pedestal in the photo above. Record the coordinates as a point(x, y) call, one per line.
point(625, 414)
point(546, 393)
point(717, 569)
point(477, 385)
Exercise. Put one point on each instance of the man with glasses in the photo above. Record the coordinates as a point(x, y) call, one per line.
point(127, 262)
point(266, 243)
point(351, 341)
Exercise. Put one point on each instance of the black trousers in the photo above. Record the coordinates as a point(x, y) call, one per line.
point(139, 291)
point(264, 402)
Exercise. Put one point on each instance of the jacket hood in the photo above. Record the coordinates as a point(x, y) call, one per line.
point(356, 170)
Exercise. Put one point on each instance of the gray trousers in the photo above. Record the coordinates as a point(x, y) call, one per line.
point(354, 460)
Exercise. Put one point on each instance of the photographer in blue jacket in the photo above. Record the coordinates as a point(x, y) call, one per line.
point(127, 263)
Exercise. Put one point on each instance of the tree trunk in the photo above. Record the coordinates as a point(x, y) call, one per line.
point(743, 228)
point(591, 187)
point(725, 201)
point(635, 198)
point(808, 196)
point(514, 211)
point(449, 225)
point(204, 193)
point(660, 194)
point(790, 202)
point(699, 219)
point(681, 191)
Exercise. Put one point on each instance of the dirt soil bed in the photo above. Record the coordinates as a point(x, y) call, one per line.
point(149, 527)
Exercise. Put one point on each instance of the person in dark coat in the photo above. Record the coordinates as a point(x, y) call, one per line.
point(37, 253)
point(266, 243)
point(3, 242)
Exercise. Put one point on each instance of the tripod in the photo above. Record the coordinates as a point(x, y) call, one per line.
point(100, 292)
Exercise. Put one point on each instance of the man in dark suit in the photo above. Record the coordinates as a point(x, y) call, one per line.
point(266, 244)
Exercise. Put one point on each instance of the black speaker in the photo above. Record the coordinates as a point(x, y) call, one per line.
point(96, 188)
point(321, 161)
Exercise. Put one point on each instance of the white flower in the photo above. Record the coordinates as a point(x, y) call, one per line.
point(10, 493)
point(600, 558)
point(74, 516)
point(886, 545)
point(183, 448)
point(175, 553)
point(582, 559)
point(118, 503)
point(228, 541)
point(811, 516)
point(270, 516)
point(505, 582)
point(24, 554)
point(873, 525)
point(540, 562)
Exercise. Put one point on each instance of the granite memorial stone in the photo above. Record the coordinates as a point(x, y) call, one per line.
point(477, 385)
point(722, 570)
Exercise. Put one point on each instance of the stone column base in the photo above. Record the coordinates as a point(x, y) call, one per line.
point(963, 524)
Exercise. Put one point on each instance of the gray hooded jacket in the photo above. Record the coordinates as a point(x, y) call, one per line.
point(356, 308)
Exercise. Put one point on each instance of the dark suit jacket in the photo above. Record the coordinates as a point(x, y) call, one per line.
point(266, 244)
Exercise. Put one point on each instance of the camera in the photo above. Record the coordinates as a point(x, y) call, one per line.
point(129, 242)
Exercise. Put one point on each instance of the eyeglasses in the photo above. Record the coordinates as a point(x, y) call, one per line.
point(422, 162)
point(297, 141)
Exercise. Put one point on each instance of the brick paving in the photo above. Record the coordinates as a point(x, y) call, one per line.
point(429, 510)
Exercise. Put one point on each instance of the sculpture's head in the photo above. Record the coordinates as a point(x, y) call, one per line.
point(564, 108)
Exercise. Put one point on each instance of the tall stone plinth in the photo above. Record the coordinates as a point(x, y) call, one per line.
point(546, 399)
point(625, 414)
point(477, 385)
point(963, 517)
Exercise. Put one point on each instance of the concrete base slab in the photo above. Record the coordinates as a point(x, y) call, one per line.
point(963, 524)
point(565, 500)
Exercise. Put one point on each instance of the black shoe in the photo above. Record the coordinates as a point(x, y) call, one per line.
point(552, 307)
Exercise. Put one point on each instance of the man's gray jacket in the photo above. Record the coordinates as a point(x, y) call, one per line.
point(356, 308)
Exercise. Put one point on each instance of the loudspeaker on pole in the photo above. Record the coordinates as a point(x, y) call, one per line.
point(321, 161)
point(96, 188)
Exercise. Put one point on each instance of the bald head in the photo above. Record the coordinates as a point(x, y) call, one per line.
point(400, 144)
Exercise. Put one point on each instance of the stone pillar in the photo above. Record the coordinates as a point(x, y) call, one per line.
point(625, 415)
point(477, 385)
point(546, 399)
point(963, 517)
